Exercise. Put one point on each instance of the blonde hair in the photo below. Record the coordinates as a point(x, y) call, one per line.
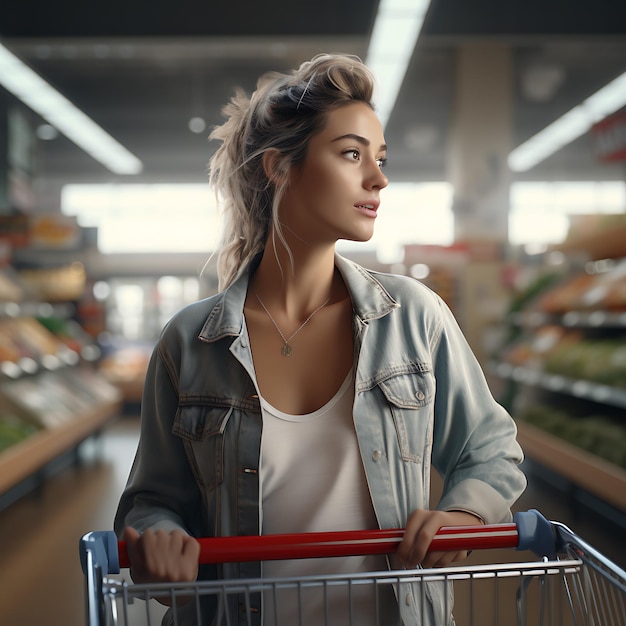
point(284, 112)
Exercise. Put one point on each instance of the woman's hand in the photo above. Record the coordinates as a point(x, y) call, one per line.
point(421, 527)
point(162, 556)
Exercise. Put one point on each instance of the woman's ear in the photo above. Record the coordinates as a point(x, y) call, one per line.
point(271, 166)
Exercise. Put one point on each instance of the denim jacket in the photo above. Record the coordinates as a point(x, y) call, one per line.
point(420, 399)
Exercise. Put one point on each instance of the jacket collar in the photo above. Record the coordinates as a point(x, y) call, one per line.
point(370, 300)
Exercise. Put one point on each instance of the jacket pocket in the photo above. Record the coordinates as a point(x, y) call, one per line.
point(410, 396)
point(202, 429)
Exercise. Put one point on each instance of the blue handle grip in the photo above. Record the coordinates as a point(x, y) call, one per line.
point(536, 533)
point(103, 548)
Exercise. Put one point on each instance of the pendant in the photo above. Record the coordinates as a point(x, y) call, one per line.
point(286, 349)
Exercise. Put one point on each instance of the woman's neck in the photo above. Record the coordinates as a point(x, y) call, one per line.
point(298, 284)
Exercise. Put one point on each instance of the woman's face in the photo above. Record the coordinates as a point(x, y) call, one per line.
point(335, 192)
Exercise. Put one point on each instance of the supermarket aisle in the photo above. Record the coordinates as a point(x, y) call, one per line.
point(40, 576)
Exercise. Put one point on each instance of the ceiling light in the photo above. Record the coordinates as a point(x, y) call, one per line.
point(396, 29)
point(197, 125)
point(58, 111)
point(539, 83)
point(45, 132)
point(573, 124)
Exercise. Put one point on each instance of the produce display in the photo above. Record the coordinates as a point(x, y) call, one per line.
point(27, 339)
point(51, 399)
point(532, 348)
point(11, 289)
point(51, 394)
point(597, 434)
point(14, 430)
point(126, 364)
point(524, 297)
point(71, 334)
point(600, 361)
point(566, 296)
point(572, 327)
point(61, 284)
point(583, 291)
point(557, 351)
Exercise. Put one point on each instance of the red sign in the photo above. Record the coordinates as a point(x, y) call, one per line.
point(609, 138)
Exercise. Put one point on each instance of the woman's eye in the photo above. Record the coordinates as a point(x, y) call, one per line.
point(355, 155)
point(382, 161)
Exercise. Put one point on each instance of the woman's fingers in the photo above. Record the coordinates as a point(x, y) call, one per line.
point(162, 556)
point(133, 545)
point(417, 538)
point(443, 559)
point(421, 528)
point(191, 554)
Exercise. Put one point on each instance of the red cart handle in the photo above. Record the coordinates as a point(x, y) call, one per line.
point(343, 543)
point(530, 531)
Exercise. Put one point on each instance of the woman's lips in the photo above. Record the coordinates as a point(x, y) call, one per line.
point(367, 208)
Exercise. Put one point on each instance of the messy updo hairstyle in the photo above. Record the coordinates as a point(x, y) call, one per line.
point(284, 112)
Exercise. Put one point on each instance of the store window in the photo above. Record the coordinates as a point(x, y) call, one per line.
point(182, 218)
point(138, 307)
point(540, 211)
point(133, 218)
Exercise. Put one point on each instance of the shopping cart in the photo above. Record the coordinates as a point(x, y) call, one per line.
point(571, 583)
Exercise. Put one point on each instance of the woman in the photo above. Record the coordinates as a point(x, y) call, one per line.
point(310, 393)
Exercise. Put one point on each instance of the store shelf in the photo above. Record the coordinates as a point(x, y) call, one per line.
point(24, 459)
point(607, 243)
point(583, 389)
point(48, 381)
point(567, 335)
point(35, 309)
point(581, 468)
point(572, 319)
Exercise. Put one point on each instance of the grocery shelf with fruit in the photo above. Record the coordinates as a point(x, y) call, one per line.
point(28, 446)
point(563, 366)
point(51, 396)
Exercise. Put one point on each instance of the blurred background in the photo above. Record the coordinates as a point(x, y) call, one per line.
point(506, 127)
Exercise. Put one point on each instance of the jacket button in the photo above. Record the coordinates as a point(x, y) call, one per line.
point(376, 455)
point(420, 395)
point(409, 599)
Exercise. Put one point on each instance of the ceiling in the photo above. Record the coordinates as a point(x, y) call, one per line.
point(142, 69)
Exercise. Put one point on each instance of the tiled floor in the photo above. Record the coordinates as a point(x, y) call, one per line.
point(40, 578)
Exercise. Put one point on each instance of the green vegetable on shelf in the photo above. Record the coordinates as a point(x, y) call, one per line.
point(14, 431)
point(534, 289)
point(597, 434)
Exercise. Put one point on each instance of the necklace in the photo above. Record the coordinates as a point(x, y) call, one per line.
point(287, 349)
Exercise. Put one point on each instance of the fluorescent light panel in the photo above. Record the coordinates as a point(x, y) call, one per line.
point(396, 29)
point(58, 111)
point(573, 124)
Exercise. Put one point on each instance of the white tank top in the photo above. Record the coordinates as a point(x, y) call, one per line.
point(312, 480)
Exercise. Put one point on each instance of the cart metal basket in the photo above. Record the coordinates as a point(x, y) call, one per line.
point(571, 584)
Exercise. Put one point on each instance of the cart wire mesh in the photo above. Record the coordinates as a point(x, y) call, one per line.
point(570, 585)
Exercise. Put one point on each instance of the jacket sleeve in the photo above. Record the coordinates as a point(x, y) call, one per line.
point(474, 443)
point(161, 491)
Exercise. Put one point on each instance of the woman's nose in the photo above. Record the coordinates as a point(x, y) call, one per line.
point(376, 180)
